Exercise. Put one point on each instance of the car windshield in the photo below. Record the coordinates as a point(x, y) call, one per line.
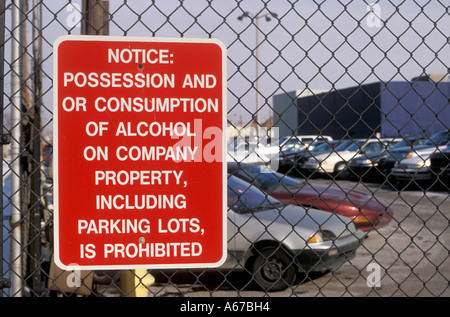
point(325, 146)
point(439, 138)
point(265, 180)
point(345, 145)
point(408, 142)
point(245, 198)
point(355, 146)
point(295, 144)
point(281, 140)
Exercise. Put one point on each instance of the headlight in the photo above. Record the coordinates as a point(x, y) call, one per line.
point(366, 162)
point(315, 237)
point(418, 165)
point(425, 163)
point(320, 236)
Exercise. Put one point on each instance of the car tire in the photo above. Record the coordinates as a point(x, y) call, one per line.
point(340, 171)
point(273, 269)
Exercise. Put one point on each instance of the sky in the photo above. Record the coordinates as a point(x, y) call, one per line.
point(311, 45)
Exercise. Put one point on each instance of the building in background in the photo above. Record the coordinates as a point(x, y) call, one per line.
point(377, 109)
point(285, 115)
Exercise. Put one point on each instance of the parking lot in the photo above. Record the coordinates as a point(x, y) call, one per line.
point(410, 254)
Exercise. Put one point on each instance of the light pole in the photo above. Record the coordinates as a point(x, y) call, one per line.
point(268, 16)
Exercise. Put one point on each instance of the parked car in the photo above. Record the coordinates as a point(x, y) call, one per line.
point(414, 165)
point(440, 165)
point(299, 142)
point(253, 153)
point(367, 165)
point(293, 159)
point(416, 168)
point(262, 154)
point(366, 211)
point(412, 169)
point(400, 151)
point(336, 161)
point(293, 143)
point(275, 241)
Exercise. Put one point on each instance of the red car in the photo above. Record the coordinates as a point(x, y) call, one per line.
point(366, 211)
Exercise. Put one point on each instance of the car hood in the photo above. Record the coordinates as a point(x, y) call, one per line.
point(320, 157)
point(420, 153)
point(291, 224)
point(419, 149)
point(415, 160)
point(425, 149)
point(343, 201)
point(340, 154)
point(332, 193)
point(306, 220)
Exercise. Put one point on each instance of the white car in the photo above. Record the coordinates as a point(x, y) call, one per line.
point(415, 168)
point(336, 161)
point(275, 241)
point(262, 154)
point(416, 165)
point(299, 142)
point(250, 153)
point(293, 143)
point(410, 162)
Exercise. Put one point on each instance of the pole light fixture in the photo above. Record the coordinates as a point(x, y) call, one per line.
point(268, 17)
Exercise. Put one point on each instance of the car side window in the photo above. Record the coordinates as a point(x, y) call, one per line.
point(373, 147)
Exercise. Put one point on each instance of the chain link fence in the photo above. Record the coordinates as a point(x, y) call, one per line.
point(353, 100)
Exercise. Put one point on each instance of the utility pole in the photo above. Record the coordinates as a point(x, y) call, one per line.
point(95, 19)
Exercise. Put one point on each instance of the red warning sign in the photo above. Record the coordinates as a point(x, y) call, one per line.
point(139, 152)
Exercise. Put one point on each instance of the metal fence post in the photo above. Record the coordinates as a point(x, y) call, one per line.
point(16, 236)
point(35, 159)
point(4, 283)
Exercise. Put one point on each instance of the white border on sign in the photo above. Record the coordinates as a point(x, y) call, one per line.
point(96, 38)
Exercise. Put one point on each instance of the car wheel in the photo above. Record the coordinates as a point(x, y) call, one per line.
point(273, 269)
point(340, 171)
